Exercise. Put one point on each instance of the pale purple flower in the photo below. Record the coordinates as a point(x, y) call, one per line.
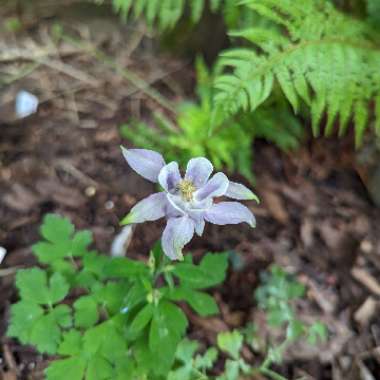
point(186, 202)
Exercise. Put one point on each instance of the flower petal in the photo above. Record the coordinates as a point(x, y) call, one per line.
point(240, 192)
point(151, 208)
point(171, 211)
point(198, 171)
point(145, 162)
point(197, 215)
point(199, 227)
point(177, 203)
point(178, 232)
point(215, 187)
point(169, 176)
point(230, 213)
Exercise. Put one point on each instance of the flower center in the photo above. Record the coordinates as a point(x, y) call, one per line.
point(187, 189)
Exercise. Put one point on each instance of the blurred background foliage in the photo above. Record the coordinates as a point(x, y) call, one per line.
point(321, 56)
point(264, 68)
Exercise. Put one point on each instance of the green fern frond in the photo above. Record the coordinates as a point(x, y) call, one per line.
point(314, 53)
point(166, 13)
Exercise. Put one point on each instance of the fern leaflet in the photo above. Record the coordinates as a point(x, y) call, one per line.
point(315, 54)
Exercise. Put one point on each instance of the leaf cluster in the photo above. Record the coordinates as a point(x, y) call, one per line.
point(107, 318)
point(276, 297)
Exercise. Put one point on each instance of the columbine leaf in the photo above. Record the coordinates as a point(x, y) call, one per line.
point(202, 303)
point(317, 331)
point(95, 264)
point(275, 354)
point(231, 342)
point(99, 369)
point(62, 315)
point(295, 290)
point(158, 362)
point(60, 241)
point(80, 242)
point(210, 272)
point(181, 373)
point(142, 318)
point(174, 317)
point(30, 323)
point(23, 316)
point(72, 368)
point(207, 360)
point(71, 343)
point(49, 253)
point(295, 329)
point(58, 288)
point(232, 370)
point(112, 295)
point(186, 350)
point(86, 312)
point(46, 334)
point(32, 285)
point(136, 294)
point(124, 268)
point(56, 228)
point(162, 344)
point(166, 330)
point(99, 354)
point(105, 339)
point(277, 316)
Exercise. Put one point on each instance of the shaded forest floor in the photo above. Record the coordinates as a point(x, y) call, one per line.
point(316, 218)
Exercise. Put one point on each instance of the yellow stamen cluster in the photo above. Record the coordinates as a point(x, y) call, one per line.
point(187, 189)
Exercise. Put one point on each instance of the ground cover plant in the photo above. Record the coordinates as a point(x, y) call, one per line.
point(126, 323)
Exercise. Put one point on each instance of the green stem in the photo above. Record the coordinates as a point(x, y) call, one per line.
point(264, 368)
point(201, 375)
point(274, 375)
point(71, 258)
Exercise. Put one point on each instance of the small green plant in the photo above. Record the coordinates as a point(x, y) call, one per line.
point(107, 318)
point(276, 297)
point(191, 365)
point(230, 143)
point(115, 318)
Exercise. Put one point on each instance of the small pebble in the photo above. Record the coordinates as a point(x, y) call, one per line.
point(90, 191)
point(26, 104)
point(366, 246)
point(109, 205)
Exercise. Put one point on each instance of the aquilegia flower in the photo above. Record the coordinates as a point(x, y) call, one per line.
point(186, 202)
